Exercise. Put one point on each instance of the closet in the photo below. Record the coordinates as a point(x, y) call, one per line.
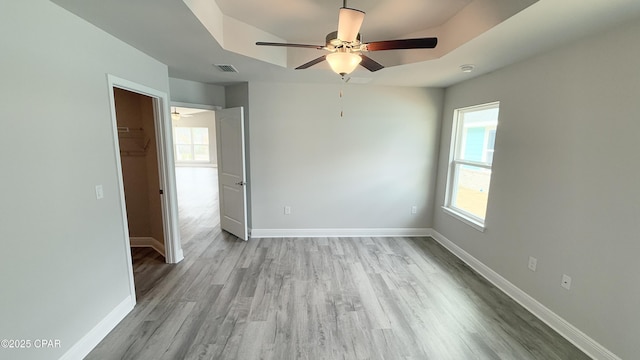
point(139, 158)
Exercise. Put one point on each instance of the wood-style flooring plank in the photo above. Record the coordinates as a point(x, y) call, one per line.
point(316, 299)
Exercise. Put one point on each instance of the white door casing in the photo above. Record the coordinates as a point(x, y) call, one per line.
point(169, 201)
point(231, 171)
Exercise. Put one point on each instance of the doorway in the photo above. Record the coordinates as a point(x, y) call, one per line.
point(140, 169)
point(192, 148)
point(196, 168)
point(160, 136)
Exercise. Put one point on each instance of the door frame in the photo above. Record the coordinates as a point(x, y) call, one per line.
point(195, 106)
point(164, 140)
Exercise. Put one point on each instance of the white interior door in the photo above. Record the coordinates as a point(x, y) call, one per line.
point(231, 171)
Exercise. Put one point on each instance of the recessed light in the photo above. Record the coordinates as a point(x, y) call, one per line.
point(467, 68)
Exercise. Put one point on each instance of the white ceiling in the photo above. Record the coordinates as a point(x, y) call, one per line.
point(311, 20)
point(488, 33)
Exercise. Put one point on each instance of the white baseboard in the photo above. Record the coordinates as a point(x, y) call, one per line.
point(177, 257)
point(287, 233)
point(89, 341)
point(560, 325)
point(147, 242)
point(198, 165)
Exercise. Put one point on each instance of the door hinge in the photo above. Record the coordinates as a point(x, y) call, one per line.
point(161, 192)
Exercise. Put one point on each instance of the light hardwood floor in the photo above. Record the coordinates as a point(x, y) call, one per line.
point(321, 298)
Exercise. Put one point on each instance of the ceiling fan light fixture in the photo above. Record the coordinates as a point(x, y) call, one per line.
point(175, 115)
point(343, 63)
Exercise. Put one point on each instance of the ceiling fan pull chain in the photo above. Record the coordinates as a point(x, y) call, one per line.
point(341, 105)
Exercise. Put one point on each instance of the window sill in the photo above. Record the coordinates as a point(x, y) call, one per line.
point(465, 219)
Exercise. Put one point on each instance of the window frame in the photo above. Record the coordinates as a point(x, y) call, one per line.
point(485, 147)
point(455, 153)
point(191, 145)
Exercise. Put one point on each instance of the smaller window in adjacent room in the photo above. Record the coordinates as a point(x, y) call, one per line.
point(471, 157)
point(192, 144)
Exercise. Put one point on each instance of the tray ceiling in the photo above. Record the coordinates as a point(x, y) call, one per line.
point(192, 35)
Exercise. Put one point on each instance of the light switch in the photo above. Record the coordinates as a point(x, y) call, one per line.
point(99, 192)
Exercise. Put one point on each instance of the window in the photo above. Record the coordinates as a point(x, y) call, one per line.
point(192, 144)
point(469, 176)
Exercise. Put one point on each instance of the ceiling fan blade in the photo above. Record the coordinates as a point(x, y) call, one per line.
point(419, 43)
point(262, 43)
point(311, 63)
point(349, 23)
point(370, 64)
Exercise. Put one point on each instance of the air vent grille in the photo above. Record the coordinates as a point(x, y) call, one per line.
point(226, 68)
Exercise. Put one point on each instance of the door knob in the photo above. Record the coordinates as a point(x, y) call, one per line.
point(241, 183)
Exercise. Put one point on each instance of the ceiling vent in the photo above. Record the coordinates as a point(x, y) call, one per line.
point(226, 68)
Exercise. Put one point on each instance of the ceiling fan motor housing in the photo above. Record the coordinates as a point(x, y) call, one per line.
point(333, 42)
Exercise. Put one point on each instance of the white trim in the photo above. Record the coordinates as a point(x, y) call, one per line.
point(166, 166)
point(290, 233)
point(195, 106)
point(560, 325)
point(478, 164)
point(149, 242)
point(480, 107)
point(123, 205)
point(91, 339)
point(456, 148)
point(465, 219)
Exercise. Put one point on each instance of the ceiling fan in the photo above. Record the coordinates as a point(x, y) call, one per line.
point(346, 48)
point(175, 115)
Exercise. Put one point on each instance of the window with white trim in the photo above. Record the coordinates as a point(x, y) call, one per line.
point(191, 144)
point(470, 161)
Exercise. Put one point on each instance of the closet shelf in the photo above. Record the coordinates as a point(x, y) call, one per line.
point(133, 141)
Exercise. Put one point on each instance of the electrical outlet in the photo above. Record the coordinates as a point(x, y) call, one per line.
point(566, 281)
point(414, 209)
point(287, 210)
point(533, 263)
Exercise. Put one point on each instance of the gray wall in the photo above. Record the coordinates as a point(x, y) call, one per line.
point(194, 92)
point(64, 265)
point(565, 182)
point(364, 170)
point(237, 95)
